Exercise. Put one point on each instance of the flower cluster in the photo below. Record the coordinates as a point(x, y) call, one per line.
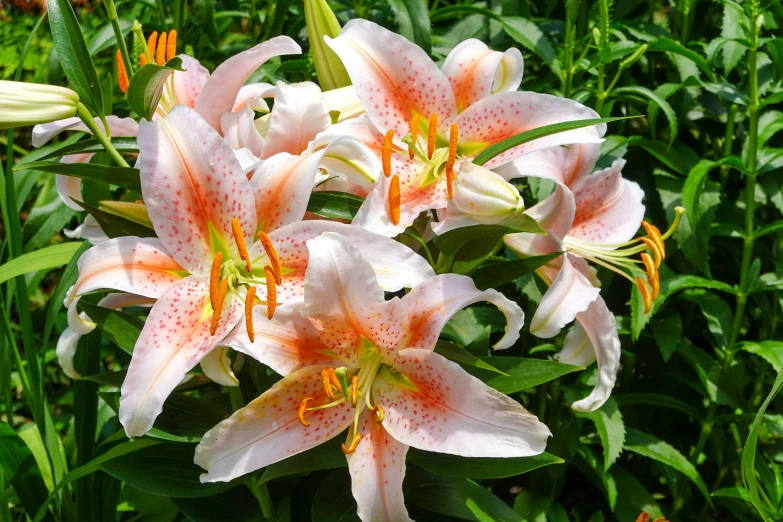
point(347, 313)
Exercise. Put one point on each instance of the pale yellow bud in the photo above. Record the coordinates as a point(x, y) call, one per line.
point(485, 196)
point(24, 104)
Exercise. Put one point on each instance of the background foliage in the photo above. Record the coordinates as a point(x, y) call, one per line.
point(706, 79)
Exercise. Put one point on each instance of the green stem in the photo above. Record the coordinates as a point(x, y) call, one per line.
point(261, 492)
point(728, 143)
point(568, 58)
point(601, 94)
point(86, 117)
point(115, 25)
point(235, 395)
point(17, 356)
point(161, 12)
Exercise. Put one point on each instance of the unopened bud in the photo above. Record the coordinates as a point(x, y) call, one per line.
point(321, 22)
point(24, 104)
point(485, 196)
point(634, 57)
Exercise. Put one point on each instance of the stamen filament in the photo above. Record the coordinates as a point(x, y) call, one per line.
point(250, 300)
point(609, 266)
point(329, 405)
point(678, 213)
point(302, 409)
point(214, 279)
point(386, 152)
point(239, 239)
point(271, 253)
point(171, 47)
point(271, 292)
point(122, 74)
point(394, 200)
point(218, 310)
point(414, 128)
point(433, 131)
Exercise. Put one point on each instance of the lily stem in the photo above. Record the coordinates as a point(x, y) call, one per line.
point(86, 117)
point(115, 25)
point(261, 492)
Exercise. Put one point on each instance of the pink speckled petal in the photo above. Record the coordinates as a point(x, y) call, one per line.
point(129, 264)
point(286, 343)
point(299, 114)
point(253, 95)
point(117, 126)
point(609, 208)
point(240, 132)
point(221, 90)
point(344, 301)
point(188, 84)
point(453, 412)
point(69, 188)
point(567, 165)
point(394, 78)
point(360, 128)
point(395, 265)
point(569, 294)
point(377, 468)
point(193, 186)
point(507, 114)
point(475, 71)
point(431, 304)
point(594, 337)
point(217, 366)
point(174, 339)
point(267, 430)
point(418, 192)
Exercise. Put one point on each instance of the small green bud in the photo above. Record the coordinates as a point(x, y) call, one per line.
point(321, 22)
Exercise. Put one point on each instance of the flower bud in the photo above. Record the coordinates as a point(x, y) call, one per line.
point(24, 104)
point(485, 196)
point(321, 22)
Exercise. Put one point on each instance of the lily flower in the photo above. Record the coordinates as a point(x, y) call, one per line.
point(589, 217)
point(200, 269)
point(355, 361)
point(430, 120)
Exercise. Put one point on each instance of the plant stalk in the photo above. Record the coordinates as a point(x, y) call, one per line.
point(115, 25)
point(86, 117)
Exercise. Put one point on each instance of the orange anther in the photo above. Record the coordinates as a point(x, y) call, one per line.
point(354, 389)
point(655, 250)
point(386, 152)
point(271, 253)
point(142, 59)
point(327, 384)
point(433, 131)
point(334, 379)
point(250, 300)
point(160, 54)
point(214, 279)
point(302, 408)
point(644, 517)
point(171, 46)
point(394, 200)
point(646, 296)
point(379, 414)
point(239, 239)
point(649, 264)
point(656, 285)
point(655, 235)
point(218, 310)
point(414, 128)
point(152, 42)
point(271, 292)
point(355, 442)
point(453, 137)
point(122, 74)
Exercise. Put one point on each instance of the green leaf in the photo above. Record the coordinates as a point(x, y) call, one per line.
point(123, 144)
point(733, 18)
point(678, 283)
point(334, 205)
point(147, 84)
point(328, 455)
point(165, 469)
point(718, 385)
point(114, 225)
point(539, 132)
point(234, 505)
point(413, 20)
point(728, 92)
point(125, 177)
point(671, 117)
point(657, 399)
point(455, 497)
point(532, 38)
point(670, 46)
point(521, 373)
point(775, 46)
point(770, 351)
point(43, 259)
point(19, 466)
point(749, 451)
point(454, 353)
point(651, 447)
point(611, 429)
point(121, 328)
point(499, 274)
point(632, 497)
point(464, 249)
point(333, 501)
point(478, 468)
point(73, 55)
